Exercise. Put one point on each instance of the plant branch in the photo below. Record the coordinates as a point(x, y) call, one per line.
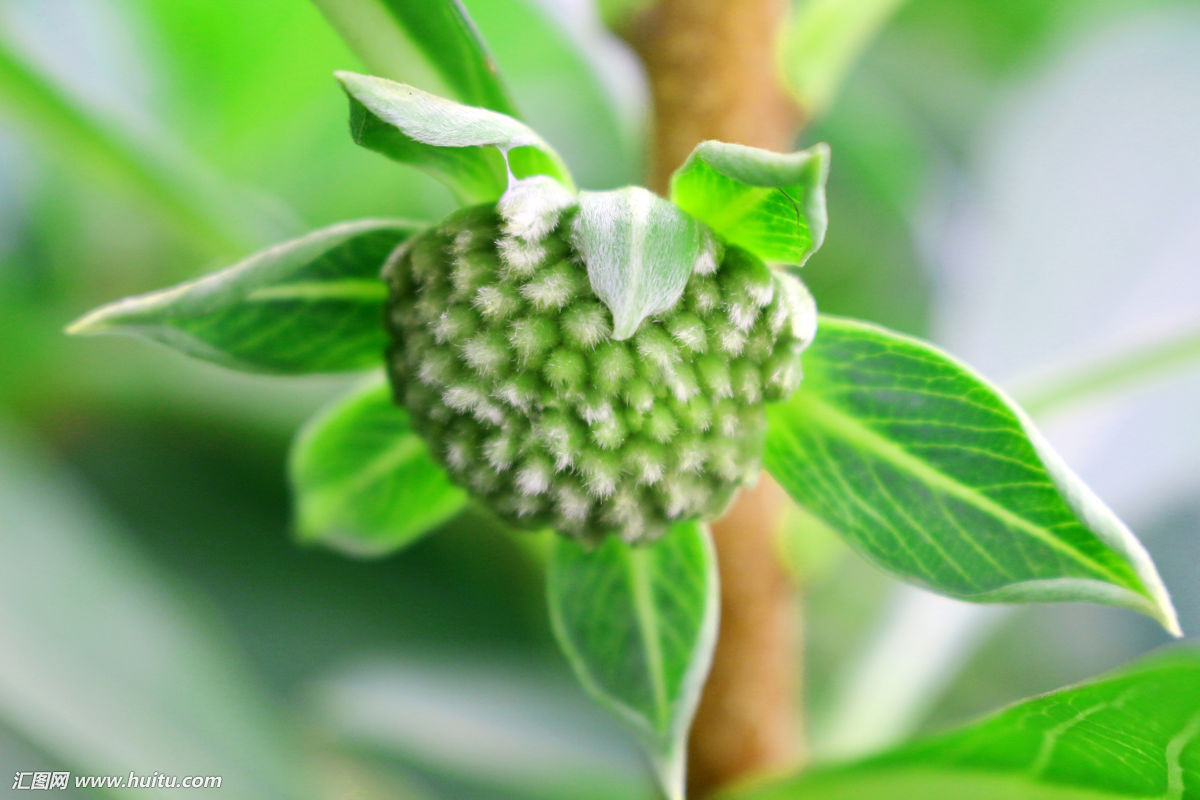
point(714, 75)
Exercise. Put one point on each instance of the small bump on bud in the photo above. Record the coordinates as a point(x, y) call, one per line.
point(612, 366)
point(688, 331)
point(585, 325)
point(532, 338)
point(565, 370)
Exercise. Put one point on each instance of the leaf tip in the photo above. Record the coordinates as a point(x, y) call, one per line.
point(98, 320)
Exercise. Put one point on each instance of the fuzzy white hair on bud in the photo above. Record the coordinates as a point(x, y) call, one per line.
point(601, 474)
point(608, 433)
point(500, 450)
point(731, 341)
point(705, 296)
point(446, 328)
point(761, 292)
point(519, 259)
point(625, 511)
point(647, 470)
point(682, 384)
point(742, 313)
point(483, 354)
point(726, 420)
point(514, 395)
point(488, 412)
point(748, 383)
point(572, 504)
point(596, 412)
point(463, 398)
point(657, 348)
point(468, 273)
point(706, 262)
point(530, 208)
point(458, 455)
point(435, 368)
point(689, 332)
point(586, 326)
point(548, 292)
point(691, 455)
point(494, 303)
point(525, 506)
point(533, 478)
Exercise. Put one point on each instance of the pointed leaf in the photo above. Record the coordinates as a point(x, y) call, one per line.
point(1132, 734)
point(937, 476)
point(638, 625)
point(771, 204)
point(640, 251)
point(472, 150)
point(363, 480)
point(384, 32)
point(313, 304)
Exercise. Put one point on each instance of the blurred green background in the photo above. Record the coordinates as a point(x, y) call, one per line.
point(1016, 181)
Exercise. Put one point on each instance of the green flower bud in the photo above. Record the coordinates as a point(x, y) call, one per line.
point(504, 356)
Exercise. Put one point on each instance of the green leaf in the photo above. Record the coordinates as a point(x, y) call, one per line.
point(472, 150)
point(363, 481)
point(771, 204)
point(937, 476)
point(638, 625)
point(1133, 733)
point(128, 669)
point(822, 42)
point(313, 304)
point(382, 32)
point(640, 251)
point(95, 141)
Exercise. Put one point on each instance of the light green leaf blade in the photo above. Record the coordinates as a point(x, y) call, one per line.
point(472, 150)
point(1133, 733)
point(638, 625)
point(936, 476)
point(314, 304)
point(772, 204)
point(382, 32)
point(363, 480)
point(640, 251)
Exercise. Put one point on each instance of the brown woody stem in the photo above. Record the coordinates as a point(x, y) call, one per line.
point(713, 75)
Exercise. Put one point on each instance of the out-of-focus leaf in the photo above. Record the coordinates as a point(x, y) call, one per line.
point(106, 666)
point(1131, 734)
point(640, 251)
point(313, 304)
point(380, 31)
point(364, 482)
point(821, 42)
point(472, 150)
point(771, 204)
point(577, 84)
point(936, 476)
point(502, 725)
point(638, 625)
point(187, 200)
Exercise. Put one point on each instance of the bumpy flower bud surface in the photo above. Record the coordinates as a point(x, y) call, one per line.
point(504, 357)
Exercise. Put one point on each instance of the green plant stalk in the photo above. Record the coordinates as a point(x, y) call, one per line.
point(713, 75)
point(1141, 364)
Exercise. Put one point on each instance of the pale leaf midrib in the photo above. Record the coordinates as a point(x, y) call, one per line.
point(872, 441)
point(647, 621)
